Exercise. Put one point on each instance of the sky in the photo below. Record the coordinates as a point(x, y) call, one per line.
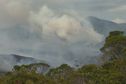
point(107, 9)
point(56, 31)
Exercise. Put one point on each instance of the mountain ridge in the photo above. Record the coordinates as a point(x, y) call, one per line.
point(105, 26)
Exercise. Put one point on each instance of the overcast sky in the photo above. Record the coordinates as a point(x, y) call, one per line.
point(108, 9)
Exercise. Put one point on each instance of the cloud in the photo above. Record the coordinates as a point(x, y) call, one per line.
point(13, 12)
point(117, 20)
point(51, 35)
point(65, 36)
point(55, 37)
point(118, 9)
point(63, 26)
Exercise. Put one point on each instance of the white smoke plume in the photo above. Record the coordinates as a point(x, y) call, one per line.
point(45, 34)
point(65, 37)
point(63, 26)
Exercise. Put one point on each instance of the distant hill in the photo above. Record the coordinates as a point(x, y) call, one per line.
point(20, 58)
point(105, 26)
point(8, 61)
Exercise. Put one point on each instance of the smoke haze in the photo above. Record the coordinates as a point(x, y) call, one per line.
point(41, 30)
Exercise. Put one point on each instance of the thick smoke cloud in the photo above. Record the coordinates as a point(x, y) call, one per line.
point(13, 12)
point(66, 37)
point(45, 34)
point(62, 26)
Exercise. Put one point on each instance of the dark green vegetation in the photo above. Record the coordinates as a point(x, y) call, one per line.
point(112, 71)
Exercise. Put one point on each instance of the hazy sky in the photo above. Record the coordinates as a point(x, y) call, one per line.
point(55, 30)
point(108, 9)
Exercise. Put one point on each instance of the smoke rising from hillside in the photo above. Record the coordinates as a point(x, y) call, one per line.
point(45, 34)
point(63, 26)
point(65, 38)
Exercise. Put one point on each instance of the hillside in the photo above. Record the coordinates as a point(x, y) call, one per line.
point(8, 61)
point(111, 71)
point(105, 26)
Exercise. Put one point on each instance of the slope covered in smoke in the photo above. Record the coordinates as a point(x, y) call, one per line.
point(105, 26)
point(53, 36)
point(47, 34)
point(8, 61)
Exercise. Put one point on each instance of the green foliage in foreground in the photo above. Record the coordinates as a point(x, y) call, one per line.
point(25, 77)
point(112, 71)
point(115, 46)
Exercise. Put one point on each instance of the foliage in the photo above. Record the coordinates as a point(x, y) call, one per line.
point(60, 73)
point(115, 46)
point(25, 77)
